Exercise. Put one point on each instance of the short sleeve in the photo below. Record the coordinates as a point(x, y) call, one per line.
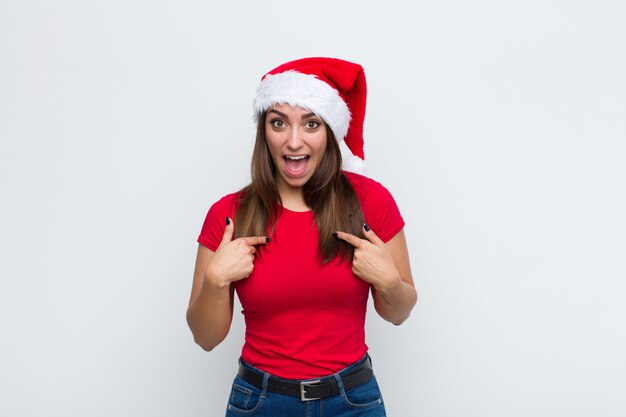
point(215, 222)
point(379, 207)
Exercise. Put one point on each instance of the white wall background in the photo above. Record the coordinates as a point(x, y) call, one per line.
point(499, 127)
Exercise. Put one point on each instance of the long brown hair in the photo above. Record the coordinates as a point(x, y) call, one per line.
point(328, 193)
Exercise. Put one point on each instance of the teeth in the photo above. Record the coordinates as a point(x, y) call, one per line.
point(295, 158)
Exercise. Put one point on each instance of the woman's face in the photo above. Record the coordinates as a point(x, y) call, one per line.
point(296, 139)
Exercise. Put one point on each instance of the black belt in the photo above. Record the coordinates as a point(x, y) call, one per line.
point(310, 389)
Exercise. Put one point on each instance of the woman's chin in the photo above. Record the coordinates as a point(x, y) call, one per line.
point(296, 181)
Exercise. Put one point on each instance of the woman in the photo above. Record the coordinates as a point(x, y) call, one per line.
point(303, 245)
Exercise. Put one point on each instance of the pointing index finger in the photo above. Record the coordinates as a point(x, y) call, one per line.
point(256, 240)
point(351, 239)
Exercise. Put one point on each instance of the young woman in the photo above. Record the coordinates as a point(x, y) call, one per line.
point(303, 246)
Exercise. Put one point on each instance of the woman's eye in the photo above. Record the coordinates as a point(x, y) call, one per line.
point(312, 124)
point(277, 123)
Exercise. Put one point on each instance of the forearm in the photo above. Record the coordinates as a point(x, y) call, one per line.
point(210, 314)
point(394, 302)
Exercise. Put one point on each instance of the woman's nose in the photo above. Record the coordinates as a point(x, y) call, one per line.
point(295, 139)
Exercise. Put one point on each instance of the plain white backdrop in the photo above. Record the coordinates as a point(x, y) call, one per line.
point(499, 127)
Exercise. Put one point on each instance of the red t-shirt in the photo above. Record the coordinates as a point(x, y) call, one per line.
point(304, 319)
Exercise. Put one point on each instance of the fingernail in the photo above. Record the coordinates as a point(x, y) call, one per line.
point(267, 239)
point(335, 235)
point(227, 221)
point(366, 227)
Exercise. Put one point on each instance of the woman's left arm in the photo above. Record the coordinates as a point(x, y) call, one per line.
point(386, 267)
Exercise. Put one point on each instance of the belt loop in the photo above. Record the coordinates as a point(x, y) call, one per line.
point(342, 390)
point(266, 378)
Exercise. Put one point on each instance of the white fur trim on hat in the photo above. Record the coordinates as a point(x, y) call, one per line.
point(306, 91)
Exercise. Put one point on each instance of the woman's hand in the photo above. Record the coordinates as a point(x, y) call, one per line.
point(233, 259)
point(372, 260)
point(386, 267)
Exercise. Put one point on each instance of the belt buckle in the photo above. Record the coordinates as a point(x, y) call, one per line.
point(303, 384)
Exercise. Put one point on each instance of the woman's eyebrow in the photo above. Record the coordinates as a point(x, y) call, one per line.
point(281, 114)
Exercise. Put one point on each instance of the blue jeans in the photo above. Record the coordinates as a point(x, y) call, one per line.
point(362, 401)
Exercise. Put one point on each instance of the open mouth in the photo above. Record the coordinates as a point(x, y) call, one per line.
point(296, 164)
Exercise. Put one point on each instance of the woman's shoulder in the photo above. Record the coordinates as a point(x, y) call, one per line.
point(229, 199)
point(379, 207)
point(364, 186)
point(226, 205)
point(214, 222)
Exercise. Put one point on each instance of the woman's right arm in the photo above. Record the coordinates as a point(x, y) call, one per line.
point(210, 310)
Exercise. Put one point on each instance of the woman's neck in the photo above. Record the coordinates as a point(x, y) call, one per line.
point(293, 199)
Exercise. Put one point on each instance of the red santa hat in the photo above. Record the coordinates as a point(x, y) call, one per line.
point(333, 89)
